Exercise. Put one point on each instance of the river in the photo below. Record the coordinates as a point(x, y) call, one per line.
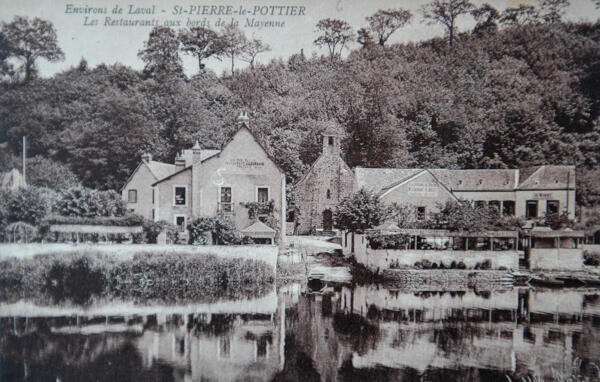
point(342, 332)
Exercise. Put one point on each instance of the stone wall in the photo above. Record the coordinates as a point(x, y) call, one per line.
point(555, 259)
point(447, 279)
point(328, 173)
point(380, 259)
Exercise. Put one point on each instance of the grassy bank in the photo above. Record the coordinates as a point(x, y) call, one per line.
point(80, 277)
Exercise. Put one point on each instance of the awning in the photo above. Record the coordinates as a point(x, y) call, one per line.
point(259, 230)
point(445, 233)
point(555, 233)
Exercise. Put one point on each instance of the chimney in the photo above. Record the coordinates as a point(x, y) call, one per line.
point(146, 157)
point(243, 119)
point(179, 161)
point(196, 179)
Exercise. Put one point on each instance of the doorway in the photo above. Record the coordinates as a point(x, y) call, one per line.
point(327, 220)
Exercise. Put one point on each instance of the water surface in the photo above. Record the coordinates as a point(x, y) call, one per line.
point(341, 333)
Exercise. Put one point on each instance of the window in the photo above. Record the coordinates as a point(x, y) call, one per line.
point(330, 141)
point(132, 196)
point(531, 209)
point(153, 217)
point(179, 196)
point(552, 207)
point(328, 194)
point(508, 208)
point(262, 194)
point(480, 204)
point(180, 222)
point(420, 213)
point(495, 206)
point(225, 201)
point(153, 196)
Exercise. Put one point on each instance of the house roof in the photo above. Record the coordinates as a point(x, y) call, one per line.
point(204, 154)
point(477, 180)
point(390, 187)
point(381, 180)
point(172, 175)
point(11, 179)
point(258, 228)
point(378, 179)
point(547, 177)
point(332, 128)
point(160, 169)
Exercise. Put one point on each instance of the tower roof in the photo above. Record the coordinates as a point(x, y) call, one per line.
point(332, 128)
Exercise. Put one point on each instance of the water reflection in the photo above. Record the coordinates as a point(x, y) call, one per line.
point(343, 332)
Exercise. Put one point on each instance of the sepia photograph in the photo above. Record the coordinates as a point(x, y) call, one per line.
point(305, 190)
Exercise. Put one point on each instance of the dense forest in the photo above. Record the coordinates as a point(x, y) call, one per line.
point(516, 91)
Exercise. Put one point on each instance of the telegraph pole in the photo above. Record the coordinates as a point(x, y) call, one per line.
point(24, 161)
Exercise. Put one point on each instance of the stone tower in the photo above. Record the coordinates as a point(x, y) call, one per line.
point(320, 190)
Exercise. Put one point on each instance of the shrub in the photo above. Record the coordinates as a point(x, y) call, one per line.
point(76, 280)
point(152, 229)
point(461, 265)
point(590, 258)
point(453, 265)
point(486, 264)
point(426, 264)
point(222, 230)
point(86, 202)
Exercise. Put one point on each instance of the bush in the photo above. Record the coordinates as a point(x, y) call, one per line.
point(221, 228)
point(87, 202)
point(461, 265)
point(152, 229)
point(76, 280)
point(592, 259)
point(487, 264)
point(426, 264)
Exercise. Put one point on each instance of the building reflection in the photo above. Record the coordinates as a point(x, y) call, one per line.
point(515, 332)
point(167, 345)
point(343, 332)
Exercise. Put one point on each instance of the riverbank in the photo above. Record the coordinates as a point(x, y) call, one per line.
point(81, 276)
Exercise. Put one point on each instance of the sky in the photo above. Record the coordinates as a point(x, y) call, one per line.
point(100, 43)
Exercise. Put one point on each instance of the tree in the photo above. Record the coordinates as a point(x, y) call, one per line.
point(28, 41)
point(486, 17)
point(384, 23)
point(43, 172)
point(360, 211)
point(364, 37)
point(334, 34)
point(552, 10)
point(523, 14)
point(5, 66)
point(252, 49)
point(446, 12)
point(161, 53)
point(234, 43)
point(202, 43)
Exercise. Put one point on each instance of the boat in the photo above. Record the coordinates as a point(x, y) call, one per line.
point(547, 282)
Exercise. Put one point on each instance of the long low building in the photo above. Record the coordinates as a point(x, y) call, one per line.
point(529, 192)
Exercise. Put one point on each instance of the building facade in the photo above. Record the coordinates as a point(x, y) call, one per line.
point(225, 182)
point(529, 192)
point(320, 190)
